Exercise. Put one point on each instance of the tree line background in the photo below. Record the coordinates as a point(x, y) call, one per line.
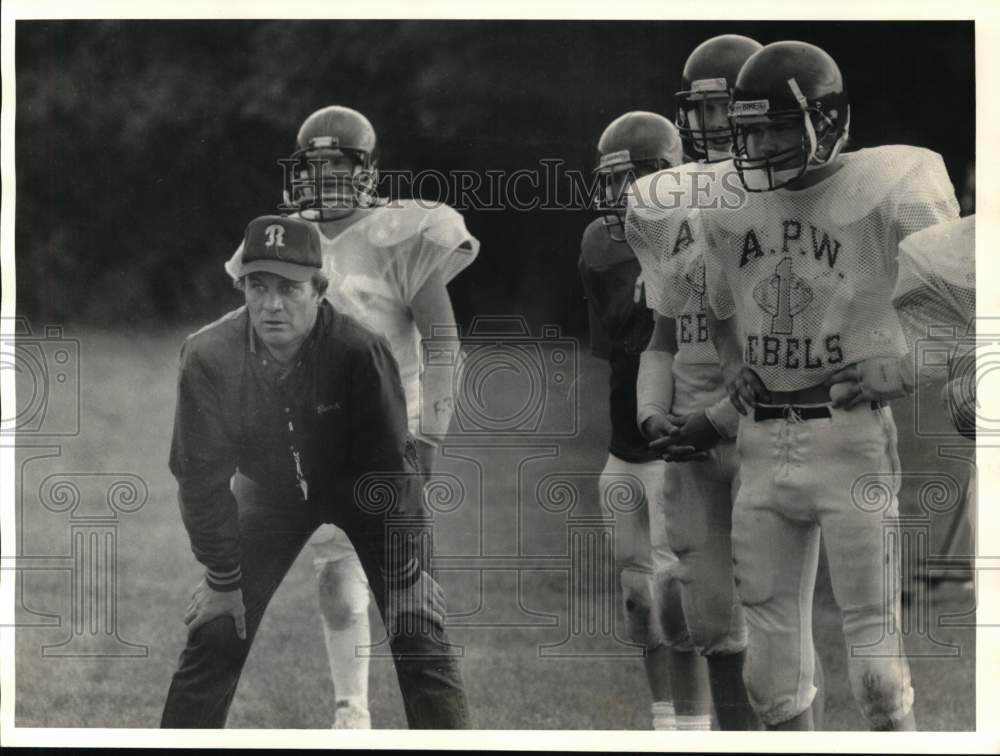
point(144, 147)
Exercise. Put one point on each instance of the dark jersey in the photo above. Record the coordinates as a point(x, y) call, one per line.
point(620, 328)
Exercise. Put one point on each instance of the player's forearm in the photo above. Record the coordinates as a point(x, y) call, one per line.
point(435, 320)
point(724, 418)
point(655, 382)
point(438, 403)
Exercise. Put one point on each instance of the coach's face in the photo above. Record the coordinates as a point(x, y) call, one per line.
point(282, 311)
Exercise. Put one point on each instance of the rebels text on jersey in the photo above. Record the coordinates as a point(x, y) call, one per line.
point(809, 273)
point(378, 258)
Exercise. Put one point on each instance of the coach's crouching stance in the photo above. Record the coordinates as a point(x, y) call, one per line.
point(305, 407)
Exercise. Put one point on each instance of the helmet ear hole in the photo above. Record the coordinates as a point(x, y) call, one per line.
point(830, 139)
point(365, 182)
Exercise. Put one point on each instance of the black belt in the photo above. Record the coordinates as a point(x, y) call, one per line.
point(786, 411)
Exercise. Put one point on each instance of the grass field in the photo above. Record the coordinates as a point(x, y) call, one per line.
point(502, 616)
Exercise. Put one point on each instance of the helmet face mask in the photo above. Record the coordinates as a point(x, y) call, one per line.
point(613, 178)
point(327, 182)
point(702, 120)
point(772, 151)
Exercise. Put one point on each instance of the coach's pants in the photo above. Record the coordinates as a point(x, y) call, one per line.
point(272, 534)
point(841, 475)
point(699, 506)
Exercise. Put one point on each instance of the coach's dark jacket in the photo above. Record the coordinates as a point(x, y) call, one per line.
point(340, 410)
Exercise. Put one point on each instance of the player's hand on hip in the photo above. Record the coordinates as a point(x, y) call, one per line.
point(873, 379)
point(423, 601)
point(206, 604)
point(745, 388)
point(656, 426)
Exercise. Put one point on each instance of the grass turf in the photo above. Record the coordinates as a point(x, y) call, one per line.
point(503, 615)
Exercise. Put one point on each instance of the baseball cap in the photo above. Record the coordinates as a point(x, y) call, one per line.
point(287, 247)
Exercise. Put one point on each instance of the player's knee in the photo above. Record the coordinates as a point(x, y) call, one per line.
point(881, 681)
point(220, 642)
point(718, 639)
point(754, 587)
point(343, 594)
point(721, 632)
point(639, 616)
point(883, 696)
point(671, 622)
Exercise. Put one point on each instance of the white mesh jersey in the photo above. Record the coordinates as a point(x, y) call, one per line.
point(377, 259)
point(809, 274)
point(662, 227)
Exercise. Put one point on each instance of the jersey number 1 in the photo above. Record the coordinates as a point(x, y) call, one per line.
point(782, 321)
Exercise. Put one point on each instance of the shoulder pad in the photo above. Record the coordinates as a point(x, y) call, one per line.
point(232, 265)
point(393, 224)
point(945, 252)
point(408, 222)
point(662, 192)
point(878, 175)
point(445, 227)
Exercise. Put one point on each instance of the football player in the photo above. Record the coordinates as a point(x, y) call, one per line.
point(635, 144)
point(800, 279)
point(684, 410)
point(935, 297)
point(388, 264)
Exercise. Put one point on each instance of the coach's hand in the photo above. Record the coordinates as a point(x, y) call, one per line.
point(422, 601)
point(206, 604)
point(874, 379)
point(745, 388)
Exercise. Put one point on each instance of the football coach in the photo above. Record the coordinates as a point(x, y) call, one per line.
point(291, 414)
